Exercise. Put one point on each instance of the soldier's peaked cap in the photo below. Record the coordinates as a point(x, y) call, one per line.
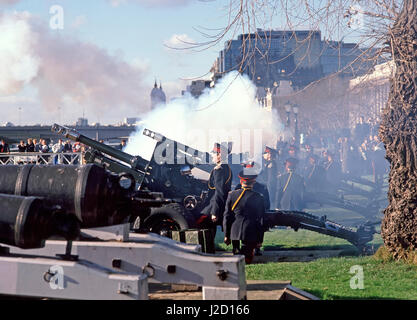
point(270, 150)
point(249, 171)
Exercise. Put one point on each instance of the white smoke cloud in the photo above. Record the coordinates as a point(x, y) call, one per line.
point(19, 63)
point(228, 112)
point(66, 72)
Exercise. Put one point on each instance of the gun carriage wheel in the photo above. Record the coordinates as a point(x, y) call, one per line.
point(166, 218)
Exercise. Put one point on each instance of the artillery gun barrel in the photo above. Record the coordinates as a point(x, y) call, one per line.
point(135, 162)
point(90, 192)
point(26, 222)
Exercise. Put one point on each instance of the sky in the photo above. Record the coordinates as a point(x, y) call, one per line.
point(99, 59)
point(62, 59)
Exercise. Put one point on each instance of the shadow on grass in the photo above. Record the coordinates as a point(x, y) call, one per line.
point(326, 296)
point(346, 249)
point(315, 247)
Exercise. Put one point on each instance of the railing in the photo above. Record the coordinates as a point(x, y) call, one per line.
point(74, 158)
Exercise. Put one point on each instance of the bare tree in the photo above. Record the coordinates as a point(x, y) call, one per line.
point(398, 132)
point(388, 30)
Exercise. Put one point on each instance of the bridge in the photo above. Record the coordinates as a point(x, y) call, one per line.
point(16, 133)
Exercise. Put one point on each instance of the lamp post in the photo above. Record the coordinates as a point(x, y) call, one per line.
point(288, 110)
point(19, 115)
point(260, 92)
point(59, 115)
point(295, 110)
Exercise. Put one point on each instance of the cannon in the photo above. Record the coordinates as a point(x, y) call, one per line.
point(92, 194)
point(301, 220)
point(26, 222)
point(370, 211)
point(172, 179)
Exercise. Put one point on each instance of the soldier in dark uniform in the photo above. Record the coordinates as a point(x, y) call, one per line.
point(292, 152)
point(333, 170)
point(305, 162)
point(314, 175)
point(243, 217)
point(269, 173)
point(220, 183)
point(263, 190)
point(290, 188)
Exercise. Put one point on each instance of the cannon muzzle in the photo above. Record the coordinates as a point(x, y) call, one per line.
point(26, 222)
point(91, 193)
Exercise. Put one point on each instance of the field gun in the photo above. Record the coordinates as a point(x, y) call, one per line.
point(302, 220)
point(171, 157)
point(173, 181)
point(168, 172)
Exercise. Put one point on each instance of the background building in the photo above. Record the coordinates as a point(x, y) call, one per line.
point(368, 94)
point(157, 96)
point(335, 103)
point(197, 87)
point(297, 56)
point(81, 122)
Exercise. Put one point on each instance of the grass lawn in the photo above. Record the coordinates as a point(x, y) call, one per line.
point(330, 278)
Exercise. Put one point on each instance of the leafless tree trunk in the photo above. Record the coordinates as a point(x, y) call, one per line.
point(398, 132)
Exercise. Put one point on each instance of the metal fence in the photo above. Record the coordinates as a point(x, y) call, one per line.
point(74, 158)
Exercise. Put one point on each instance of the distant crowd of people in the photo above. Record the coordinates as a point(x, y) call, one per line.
point(41, 146)
point(320, 164)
